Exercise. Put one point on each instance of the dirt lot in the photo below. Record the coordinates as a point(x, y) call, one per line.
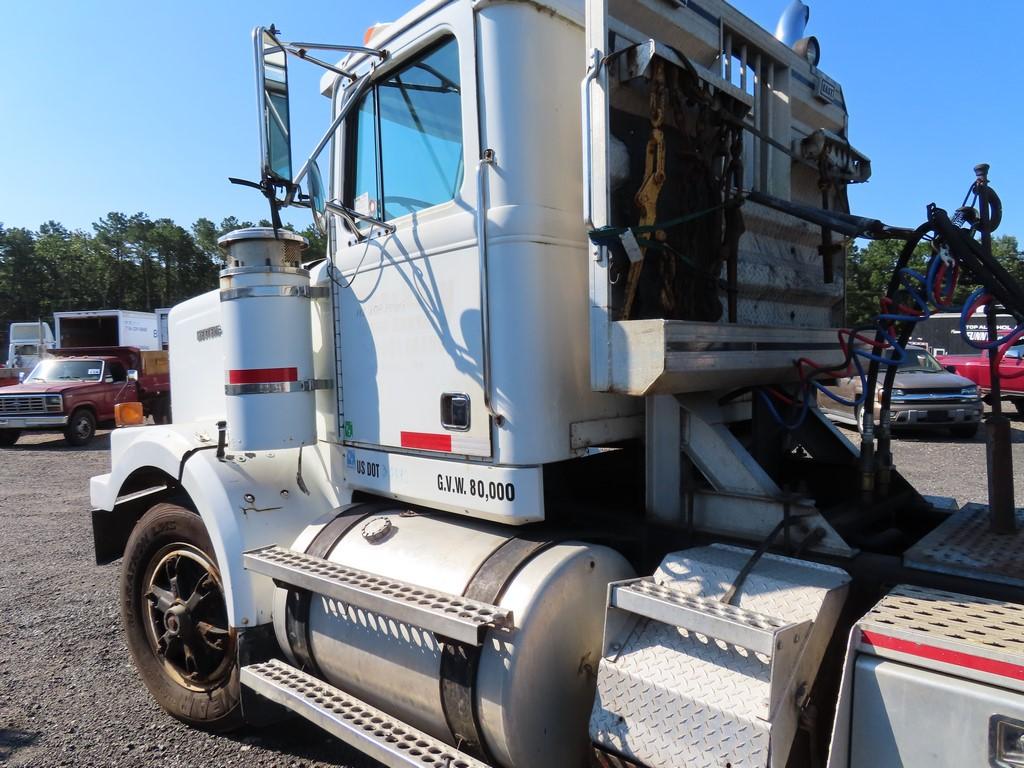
point(69, 694)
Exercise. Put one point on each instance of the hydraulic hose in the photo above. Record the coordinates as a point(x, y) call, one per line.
point(867, 446)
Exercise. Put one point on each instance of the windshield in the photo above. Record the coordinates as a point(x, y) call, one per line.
point(919, 360)
point(66, 370)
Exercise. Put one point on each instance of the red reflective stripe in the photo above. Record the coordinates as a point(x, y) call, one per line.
point(956, 658)
point(427, 441)
point(262, 375)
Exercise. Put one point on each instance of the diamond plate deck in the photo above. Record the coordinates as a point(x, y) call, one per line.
point(674, 697)
point(964, 546)
point(968, 636)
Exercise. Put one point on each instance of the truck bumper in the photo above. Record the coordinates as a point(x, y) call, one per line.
point(33, 422)
point(937, 414)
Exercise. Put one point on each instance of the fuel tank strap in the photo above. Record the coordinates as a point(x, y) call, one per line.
point(298, 601)
point(459, 661)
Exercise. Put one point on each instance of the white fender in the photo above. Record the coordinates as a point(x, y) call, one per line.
point(279, 511)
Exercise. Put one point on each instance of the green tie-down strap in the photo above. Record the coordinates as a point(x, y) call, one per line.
point(610, 236)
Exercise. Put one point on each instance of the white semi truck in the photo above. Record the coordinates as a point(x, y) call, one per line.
point(27, 343)
point(528, 471)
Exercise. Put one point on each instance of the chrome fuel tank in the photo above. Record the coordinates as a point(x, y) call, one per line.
point(530, 689)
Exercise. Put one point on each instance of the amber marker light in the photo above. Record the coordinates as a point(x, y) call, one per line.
point(128, 414)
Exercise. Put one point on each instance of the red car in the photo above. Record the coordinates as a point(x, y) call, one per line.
point(976, 368)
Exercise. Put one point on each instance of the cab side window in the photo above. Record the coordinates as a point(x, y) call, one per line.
point(406, 139)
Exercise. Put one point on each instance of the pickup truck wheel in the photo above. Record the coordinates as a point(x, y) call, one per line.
point(162, 410)
point(175, 619)
point(9, 437)
point(81, 427)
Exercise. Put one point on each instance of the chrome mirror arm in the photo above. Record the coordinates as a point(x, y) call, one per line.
point(351, 216)
point(359, 87)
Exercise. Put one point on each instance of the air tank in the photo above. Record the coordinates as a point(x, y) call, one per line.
point(529, 691)
point(267, 340)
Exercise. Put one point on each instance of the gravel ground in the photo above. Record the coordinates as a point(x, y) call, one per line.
point(69, 694)
point(947, 466)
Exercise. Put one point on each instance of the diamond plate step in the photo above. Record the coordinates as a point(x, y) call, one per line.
point(359, 725)
point(687, 681)
point(712, 618)
point(451, 616)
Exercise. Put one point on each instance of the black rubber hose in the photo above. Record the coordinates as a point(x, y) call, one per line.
point(867, 447)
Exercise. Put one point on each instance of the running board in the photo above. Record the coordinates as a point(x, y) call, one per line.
point(359, 725)
point(450, 616)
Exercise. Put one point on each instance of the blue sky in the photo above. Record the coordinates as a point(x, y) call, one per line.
point(149, 107)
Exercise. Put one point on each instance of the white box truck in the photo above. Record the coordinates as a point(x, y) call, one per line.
point(107, 328)
point(161, 319)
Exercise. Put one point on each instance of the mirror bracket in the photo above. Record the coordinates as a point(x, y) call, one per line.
point(275, 136)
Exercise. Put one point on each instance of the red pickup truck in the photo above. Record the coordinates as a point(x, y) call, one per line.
point(74, 390)
point(976, 368)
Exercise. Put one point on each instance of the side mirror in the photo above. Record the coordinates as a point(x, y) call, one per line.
point(950, 368)
point(133, 375)
point(272, 95)
point(21, 376)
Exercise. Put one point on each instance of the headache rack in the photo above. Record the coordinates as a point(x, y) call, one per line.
point(701, 278)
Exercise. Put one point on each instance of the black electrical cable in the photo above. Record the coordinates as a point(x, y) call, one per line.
point(741, 577)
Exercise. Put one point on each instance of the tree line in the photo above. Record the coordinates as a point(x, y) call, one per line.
point(125, 262)
point(869, 268)
point(141, 263)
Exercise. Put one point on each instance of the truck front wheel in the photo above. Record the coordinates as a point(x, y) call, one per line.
point(175, 619)
point(9, 437)
point(81, 427)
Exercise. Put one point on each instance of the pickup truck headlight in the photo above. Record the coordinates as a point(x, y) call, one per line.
point(897, 392)
point(54, 403)
point(969, 391)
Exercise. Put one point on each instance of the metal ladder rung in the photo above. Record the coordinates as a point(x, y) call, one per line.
point(712, 618)
point(366, 728)
point(450, 616)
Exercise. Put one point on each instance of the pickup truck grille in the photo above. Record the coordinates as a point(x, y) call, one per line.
point(21, 405)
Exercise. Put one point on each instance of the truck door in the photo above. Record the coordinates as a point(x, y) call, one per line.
point(409, 303)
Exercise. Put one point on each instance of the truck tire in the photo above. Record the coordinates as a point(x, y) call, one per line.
point(9, 437)
point(175, 619)
point(81, 427)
